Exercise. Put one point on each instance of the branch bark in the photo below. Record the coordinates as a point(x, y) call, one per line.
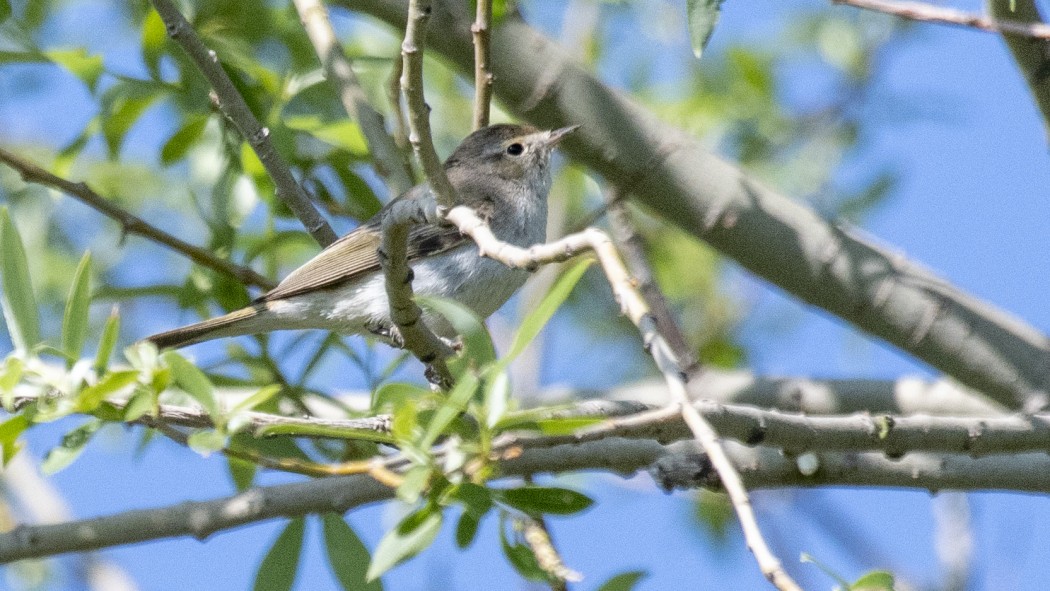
point(236, 109)
point(777, 238)
point(131, 224)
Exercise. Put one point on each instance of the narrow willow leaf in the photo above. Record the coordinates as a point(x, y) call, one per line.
point(878, 580)
point(91, 396)
point(80, 63)
point(19, 304)
point(10, 374)
point(265, 393)
point(347, 555)
point(72, 446)
point(538, 318)
point(182, 140)
point(703, 16)
point(538, 500)
point(476, 338)
point(467, 529)
point(410, 537)
point(206, 441)
point(154, 36)
point(623, 581)
point(279, 567)
point(5, 10)
point(453, 405)
point(193, 381)
point(123, 107)
point(242, 472)
point(520, 556)
point(10, 430)
point(108, 342)
point(75, 318)
point(391, 395)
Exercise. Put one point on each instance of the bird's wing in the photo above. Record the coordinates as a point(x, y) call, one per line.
point(356, 254)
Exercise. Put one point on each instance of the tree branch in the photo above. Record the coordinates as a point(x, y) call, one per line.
point(131, 224)
point(1005, 22)
point(673, 466)
point(236, 109)
point(1031, 54)
point(338, 69)
point(482, 75)
point(826, 265)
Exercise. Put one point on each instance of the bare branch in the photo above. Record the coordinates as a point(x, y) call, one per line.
point(482, 74)
point(131, 224)
point(673, 466)
point(929, 13)
point(418, 110)
point(338, 69)
point(236, 109)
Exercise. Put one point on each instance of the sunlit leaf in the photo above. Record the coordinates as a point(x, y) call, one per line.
point(262, 395)
point(206, 441)
point(703, 16)
point(72, 446)
point(454, 404)
point(279, 567)
point(410, 537)
point(539, 500)
point(154, 36)
point(347, 555)
point(538, 317)
point(108, 342)
point(75, 317)
point(623, 581)
point(343, 134)
point(18, 302)
point(91, 396)
point(193, 381)
point(10, 375)
point(80, 63)
point(10, 430)
point(878, 580)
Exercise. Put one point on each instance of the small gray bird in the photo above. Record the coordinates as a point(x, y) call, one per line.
point(502, 171)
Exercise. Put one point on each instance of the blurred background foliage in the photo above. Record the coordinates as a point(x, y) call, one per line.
point(97, 92)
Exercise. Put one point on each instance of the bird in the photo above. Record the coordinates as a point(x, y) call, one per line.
point(503, 171)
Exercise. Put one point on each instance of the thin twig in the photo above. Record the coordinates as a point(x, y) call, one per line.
point(236, 109)
point(929, 13)
point(131, 224)
point(418, 111)
point(633, 249)
point(393, 96)
point(482, 75)
point(389, 161)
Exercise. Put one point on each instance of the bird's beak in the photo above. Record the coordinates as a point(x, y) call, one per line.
point(553, 137)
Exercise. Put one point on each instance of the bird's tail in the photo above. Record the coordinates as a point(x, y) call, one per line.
point(239, 322)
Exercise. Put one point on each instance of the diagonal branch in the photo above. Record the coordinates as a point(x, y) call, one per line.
point(482, 74)
point(236, 109)
point(132, 224)
point(930, 13)
point(338, 69)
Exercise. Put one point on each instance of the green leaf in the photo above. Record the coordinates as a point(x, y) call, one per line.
point(193, 381)
point(347, 555)
point(75, 318)
point(566, 425)
point(265, 393)
point(453, 405)
point(206, 441)
point(91, 396)
point(10, 430)
point(538, 318)
point(18, 302)
point(122, 107)
point(877, 580)
point(180, 142)
point(72, 446)
point(278, 568)
point(520, 556)
point(343, 134)
point(623, 581)
point(154, 36)
point(391, 395)
point(538, 500)
point(410, 537)
point(702, 15)
point(5, 10)
point(467, 529)
point(10, 375)
point(242, 472)
point(142, 403)
point(80, 63)
point(108, 342)
point(476, 338)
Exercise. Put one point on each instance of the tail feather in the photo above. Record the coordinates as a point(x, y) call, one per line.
point(235, 323)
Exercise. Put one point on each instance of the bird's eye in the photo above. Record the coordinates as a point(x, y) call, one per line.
point(515, 149)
